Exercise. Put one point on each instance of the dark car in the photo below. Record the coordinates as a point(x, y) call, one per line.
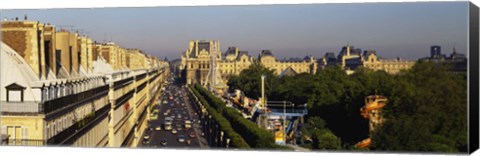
point(164, 142)
point(192, 135)
point(181, 138)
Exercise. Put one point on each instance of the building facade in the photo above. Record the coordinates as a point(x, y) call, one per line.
point(456, 61)
point(60, 88)
point(196, 61)
point(350, 58)
point(306, 65)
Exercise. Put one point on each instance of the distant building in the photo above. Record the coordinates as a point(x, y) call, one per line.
point(60, 88)
point(350, 59)
point(436, 51)
point(234, 62)
point(197, 61)
point(457, 61)
point(306, 65)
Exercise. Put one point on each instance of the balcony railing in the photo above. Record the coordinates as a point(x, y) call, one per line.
point(22, 142)
point(21, 107)
point(56, 104)
point(78, 129)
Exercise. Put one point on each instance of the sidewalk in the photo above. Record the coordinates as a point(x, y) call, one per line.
point(202, 142)
point(298, 148)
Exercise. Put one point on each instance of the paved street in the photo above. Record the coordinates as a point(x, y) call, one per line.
point(175, 106)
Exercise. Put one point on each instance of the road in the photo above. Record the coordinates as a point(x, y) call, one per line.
point(175, 101)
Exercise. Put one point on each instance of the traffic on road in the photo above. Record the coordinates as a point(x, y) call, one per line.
point(173, 122)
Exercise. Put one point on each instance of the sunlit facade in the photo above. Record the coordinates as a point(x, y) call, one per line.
point(62, 88)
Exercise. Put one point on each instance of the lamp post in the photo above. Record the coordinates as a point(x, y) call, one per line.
point(228, 142)
point(284, 122)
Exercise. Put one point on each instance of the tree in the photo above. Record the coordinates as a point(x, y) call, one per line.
point(249, 80)
point(325, 139)
point(426, 112)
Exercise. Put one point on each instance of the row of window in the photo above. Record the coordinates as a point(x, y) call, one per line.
point(58, 125)
point(57, 91)
point(94, 136)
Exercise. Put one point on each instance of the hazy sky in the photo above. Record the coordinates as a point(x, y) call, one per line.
point(406, 30)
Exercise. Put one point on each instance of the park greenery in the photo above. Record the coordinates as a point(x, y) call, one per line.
point(225, 126)
point(253, 135)
point(426, 110)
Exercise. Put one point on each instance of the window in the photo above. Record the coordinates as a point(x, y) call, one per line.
point(14, 92)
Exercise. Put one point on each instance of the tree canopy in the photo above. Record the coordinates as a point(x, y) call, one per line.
point(426, 109)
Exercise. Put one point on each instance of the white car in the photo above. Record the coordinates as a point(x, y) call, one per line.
point(158, 128)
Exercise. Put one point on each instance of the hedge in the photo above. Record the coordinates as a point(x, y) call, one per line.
point(225, 126)
point(251, 133)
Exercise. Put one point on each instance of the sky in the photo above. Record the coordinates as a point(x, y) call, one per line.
point(405, 30)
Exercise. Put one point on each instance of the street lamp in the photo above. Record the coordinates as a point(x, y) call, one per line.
point(228, 142)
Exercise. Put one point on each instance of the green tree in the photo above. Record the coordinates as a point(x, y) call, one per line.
point(426, 112)
point(249, 80)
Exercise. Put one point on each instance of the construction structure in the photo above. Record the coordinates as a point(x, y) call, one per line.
point(214, 80)
point(373, 112)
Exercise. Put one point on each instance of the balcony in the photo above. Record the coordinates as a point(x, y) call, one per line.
point(21, 107)
point(78, 129)
point(22, 142)
point(75, 99)
point(51, 107)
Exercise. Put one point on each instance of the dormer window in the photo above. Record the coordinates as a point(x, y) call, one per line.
point(14, 93)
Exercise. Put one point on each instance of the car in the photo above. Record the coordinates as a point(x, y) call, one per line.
point(158, 128)
point(188, 124)
point(186, 118)
point(164, 142)
point(181, 138)
point(146, 136)
point(192, 135)
point(154, 117)
point(179, 127)
point(174, 131)
point(165, 102)
point(179, 116)
point(146, 142)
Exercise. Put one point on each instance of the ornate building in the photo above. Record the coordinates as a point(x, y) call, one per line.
point(196, 61)
point(305, 65)
point(59, 88)
point(350, 59)
point(457, 61)
point(234, 62)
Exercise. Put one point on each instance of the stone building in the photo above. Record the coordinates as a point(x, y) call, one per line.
point(456, 61)
point(350, 58)
point(196, 61)
point(305, 65)
point(234, 62)
point(59, 89)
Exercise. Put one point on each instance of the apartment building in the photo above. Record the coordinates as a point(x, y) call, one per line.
point(62, 88)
